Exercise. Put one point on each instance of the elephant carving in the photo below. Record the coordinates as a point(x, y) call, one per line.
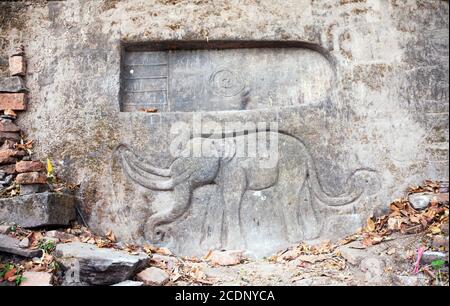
point(293, 174)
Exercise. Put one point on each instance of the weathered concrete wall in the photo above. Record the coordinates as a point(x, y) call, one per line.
point(387, 111)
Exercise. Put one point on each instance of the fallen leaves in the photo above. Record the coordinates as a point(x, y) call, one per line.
point(405, 219)
point(110, 235)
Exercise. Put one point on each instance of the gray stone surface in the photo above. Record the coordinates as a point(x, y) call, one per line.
point(386, 110)
point(33, 188)
point(129, 283)
point(12, 246)
point(12, 84)
point(87, 264)
point(39, 209)
point(429, 256)
point(420, 201)
point(229, 79)
point(353, 253)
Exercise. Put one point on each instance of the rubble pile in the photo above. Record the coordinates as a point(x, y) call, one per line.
point(409, 246)
point(19, 173)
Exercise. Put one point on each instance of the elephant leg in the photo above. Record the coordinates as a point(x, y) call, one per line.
point(234, 185)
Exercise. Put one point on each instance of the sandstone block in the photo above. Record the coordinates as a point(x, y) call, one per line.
point(17, 65)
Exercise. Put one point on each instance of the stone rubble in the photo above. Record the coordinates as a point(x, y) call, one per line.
point(32, 278)
point(421, 201)
point(12, 246)
point(429, 256)
point(16, 165)
point(226, 258)
point(12, 84)
point(153, 276)
point(99, 266)
point(129, 283)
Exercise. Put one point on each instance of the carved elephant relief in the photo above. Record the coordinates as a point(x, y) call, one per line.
point(299, 196)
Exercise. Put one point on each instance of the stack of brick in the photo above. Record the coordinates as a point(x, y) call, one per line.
point(14, 162)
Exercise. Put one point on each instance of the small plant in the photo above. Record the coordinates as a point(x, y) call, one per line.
point(438, 265)
point(46, 245)
point(20, 279)
point(54, 266)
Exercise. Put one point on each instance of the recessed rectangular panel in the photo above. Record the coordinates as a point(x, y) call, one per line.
point(178, 80)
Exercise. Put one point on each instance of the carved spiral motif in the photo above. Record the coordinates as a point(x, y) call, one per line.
point(226, 83)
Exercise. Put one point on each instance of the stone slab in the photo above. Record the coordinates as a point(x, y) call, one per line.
point(129, 283)
point(98, 266)
point(12, 84)
point(220, 80)
point(11, 245)
point(39, 209)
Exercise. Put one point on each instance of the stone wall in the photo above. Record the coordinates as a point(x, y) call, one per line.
point(387, 110)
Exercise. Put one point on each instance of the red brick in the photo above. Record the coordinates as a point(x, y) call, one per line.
point(17, 65)
point(30, 166)
point(14, 101)
point(31, 178)
point(11, 153)
point(7, 126)
point(8, 169)
point(8, 144)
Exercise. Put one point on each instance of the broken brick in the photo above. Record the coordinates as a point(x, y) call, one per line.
point(31, 178)
point(8, 126)
point(11, 153)
point(8, 169)
point(8, 144)
point(30, 166)
point(17, 65)
point(7, 160)
point(5, 136)
point(14, 101)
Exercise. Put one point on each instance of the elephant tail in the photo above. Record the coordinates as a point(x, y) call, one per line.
point(360, 182)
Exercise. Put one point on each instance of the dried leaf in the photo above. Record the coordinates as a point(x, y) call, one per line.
point(110, 235)
point(148, 110)
point(163, 251)
point(370, 225)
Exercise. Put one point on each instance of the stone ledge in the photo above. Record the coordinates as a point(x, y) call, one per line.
point(39, 209)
